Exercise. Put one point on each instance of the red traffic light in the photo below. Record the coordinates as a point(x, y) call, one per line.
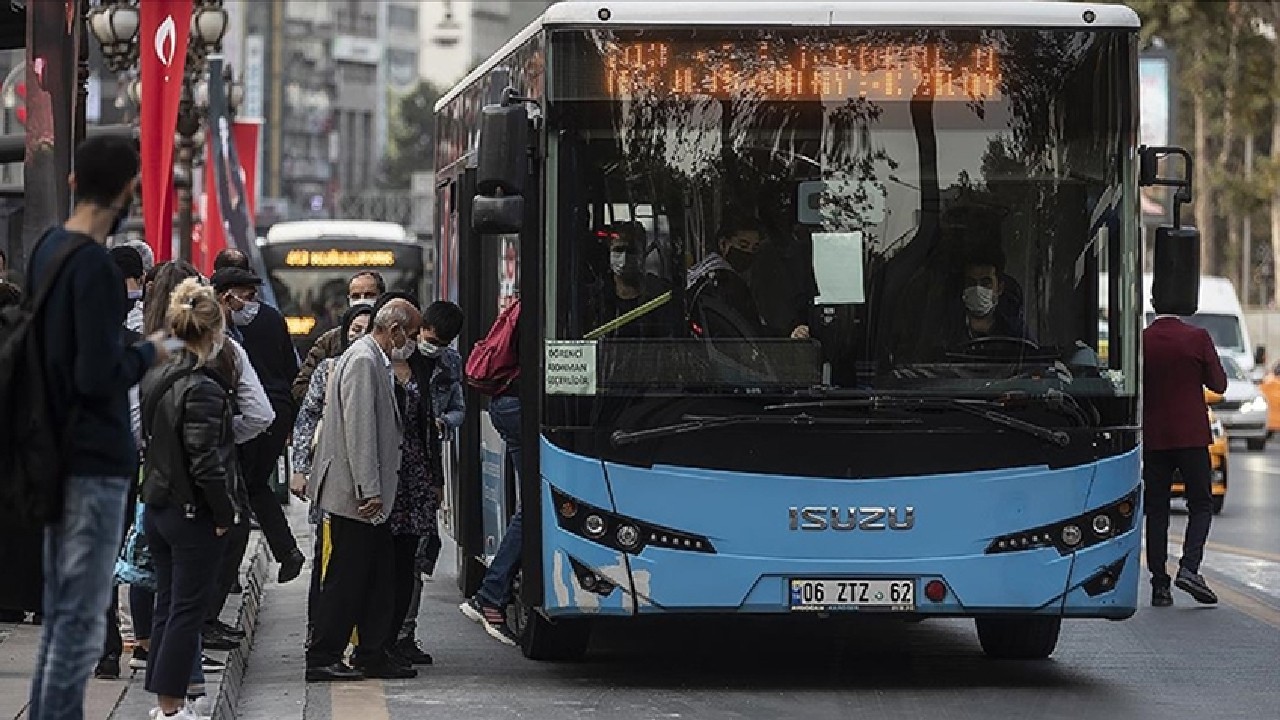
point(20, 90)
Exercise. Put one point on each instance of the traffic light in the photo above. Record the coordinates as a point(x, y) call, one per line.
point(20, 101)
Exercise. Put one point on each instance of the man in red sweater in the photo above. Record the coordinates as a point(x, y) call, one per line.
point(1179, 361)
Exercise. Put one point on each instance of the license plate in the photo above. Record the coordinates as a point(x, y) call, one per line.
point(832, 595)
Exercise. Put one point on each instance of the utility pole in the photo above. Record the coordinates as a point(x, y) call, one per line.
point(1246, 252)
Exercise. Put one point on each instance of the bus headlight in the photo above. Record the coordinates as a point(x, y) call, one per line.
point(620, 532)
point(1068, 536)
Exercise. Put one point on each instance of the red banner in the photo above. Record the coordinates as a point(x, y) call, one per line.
point(163, 30)
point(245, 134)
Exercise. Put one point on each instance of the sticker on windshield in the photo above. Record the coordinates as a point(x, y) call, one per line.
point(837, 266)
point(571, 367)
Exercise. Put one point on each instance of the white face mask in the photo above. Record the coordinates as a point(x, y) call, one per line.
point(618, 261)
point(246, 314)
point(401, 352)
point(362, 301)
point(430, 349)
point(979, 301)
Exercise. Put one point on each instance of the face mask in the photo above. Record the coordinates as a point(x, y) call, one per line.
point(980, 301)
point(401, 352)
point(362, 301)
point(246, 314)
point(135, 294)
point(430, 349)
point(118, 224)
point(740, 259)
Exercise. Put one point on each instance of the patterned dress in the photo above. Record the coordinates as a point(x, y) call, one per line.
point(418, 496)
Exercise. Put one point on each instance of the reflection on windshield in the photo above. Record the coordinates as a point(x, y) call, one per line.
point(929, 209)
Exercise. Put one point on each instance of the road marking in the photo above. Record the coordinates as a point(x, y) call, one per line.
point(1247, 552)
point(366, 700)
point(1260, 575)
point(1250, 606)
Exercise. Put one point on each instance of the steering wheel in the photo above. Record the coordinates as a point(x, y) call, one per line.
point(999, 345)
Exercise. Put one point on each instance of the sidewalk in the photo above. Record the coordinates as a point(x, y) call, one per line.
point(126, 699)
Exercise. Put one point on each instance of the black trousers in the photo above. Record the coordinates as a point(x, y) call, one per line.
point(357, 592)
point(184, 550)
point(1158, 467)
point(405, 571)
point(258, 459)
point(237, 539)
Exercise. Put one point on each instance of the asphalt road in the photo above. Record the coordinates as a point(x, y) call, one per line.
point(1186, 661)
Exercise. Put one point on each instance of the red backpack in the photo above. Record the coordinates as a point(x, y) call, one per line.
point(494, 362)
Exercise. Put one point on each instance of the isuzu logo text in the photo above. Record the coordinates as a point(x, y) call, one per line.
point(852, 518)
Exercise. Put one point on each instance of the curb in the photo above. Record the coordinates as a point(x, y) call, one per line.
point(226, 703)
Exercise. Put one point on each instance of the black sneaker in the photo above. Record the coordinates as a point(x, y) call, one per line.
point(291, 567)
point(1194, 585)
point(411, 652)
point(211, 666)
point(139, 659)
point(1161, 596)
point(213, 639)
point(337, 672)
point(493, 619)
point(388, 669)
point(234, 633)
point(108, 668)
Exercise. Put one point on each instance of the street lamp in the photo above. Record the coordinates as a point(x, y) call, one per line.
point(115, 25)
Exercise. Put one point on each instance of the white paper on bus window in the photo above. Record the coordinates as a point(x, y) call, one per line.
point(570, 367)
point(837, 266)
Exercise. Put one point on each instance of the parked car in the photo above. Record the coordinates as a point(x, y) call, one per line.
point(1218, 451)
point(1242, 408)
point(1270, 387)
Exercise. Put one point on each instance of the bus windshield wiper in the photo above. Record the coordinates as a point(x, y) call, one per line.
point(697, 423)
point(978, 408)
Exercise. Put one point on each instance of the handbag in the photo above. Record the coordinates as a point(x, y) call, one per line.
point(134, 566)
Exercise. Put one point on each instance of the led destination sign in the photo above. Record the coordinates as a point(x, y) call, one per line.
point(830, 72)
point(340, 258)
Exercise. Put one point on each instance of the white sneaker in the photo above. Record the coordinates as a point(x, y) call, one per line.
point(183, 714)
point(201, 707)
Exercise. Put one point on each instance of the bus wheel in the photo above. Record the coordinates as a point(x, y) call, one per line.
point(554, 640)
point(470, 572)
point(1019, 638)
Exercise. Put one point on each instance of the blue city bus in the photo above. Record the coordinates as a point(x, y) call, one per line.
point(810, 299)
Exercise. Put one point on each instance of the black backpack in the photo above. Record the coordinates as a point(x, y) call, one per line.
point(32, 448)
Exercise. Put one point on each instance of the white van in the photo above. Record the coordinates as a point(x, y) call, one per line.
point(1220, 313)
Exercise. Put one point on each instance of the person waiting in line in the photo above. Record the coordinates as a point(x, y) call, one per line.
point(189, 482)
point(129, 261)
point(355, 323)
point(436, 360)
point(364, 288)
point(354, 481)
point(265, 338)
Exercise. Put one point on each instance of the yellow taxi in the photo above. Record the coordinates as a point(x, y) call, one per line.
point(1270, 387)
point(1218, 459)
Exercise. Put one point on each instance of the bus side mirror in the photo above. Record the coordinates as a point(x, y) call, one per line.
point(1175, 287)
point(502, 167)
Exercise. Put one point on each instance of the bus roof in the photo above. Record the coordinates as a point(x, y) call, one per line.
point(303, 230)
point(802, 13)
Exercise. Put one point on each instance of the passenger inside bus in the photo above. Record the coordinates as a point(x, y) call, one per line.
point(629, 287)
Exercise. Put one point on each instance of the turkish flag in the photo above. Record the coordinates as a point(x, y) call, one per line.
point(163, 30)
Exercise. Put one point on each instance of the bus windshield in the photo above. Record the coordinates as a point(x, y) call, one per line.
point(935, 211)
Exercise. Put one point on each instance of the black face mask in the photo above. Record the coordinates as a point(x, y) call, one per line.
point(740, 259)
point(117, 225)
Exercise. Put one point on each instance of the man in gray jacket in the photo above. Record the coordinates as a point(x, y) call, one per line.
point(354, 478)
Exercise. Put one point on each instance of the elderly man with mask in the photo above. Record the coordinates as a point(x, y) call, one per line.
point(354, 478)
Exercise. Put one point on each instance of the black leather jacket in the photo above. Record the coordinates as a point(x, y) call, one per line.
point(190, 460)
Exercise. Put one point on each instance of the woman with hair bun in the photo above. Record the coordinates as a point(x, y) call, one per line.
point(189, 487)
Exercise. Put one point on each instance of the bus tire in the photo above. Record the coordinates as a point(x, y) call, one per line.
point(470, 572)
point(554, 640)
point(1019, 638)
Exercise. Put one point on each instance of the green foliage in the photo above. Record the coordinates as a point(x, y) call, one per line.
point(411, 144)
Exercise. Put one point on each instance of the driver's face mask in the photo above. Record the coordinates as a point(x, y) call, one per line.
point(979, 301)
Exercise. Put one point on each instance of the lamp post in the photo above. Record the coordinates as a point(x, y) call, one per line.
point(115, 25)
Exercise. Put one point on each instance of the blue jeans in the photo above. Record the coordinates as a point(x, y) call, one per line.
point(79, 560)
point(495, 590)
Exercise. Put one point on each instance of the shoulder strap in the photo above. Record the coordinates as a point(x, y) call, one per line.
point(149, 410)
point(55, 265)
